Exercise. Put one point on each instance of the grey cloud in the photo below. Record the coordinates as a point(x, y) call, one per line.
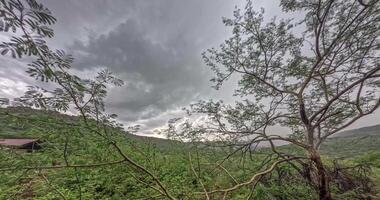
point(157, 52)
point(154, 45)
point(157, 77)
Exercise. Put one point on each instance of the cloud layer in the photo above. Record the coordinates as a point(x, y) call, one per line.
point(154, 46)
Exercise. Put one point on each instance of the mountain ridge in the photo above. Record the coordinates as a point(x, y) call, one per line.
point(373, 130)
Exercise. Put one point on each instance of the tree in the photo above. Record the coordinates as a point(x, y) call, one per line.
point(316, 76)
point(30, 23)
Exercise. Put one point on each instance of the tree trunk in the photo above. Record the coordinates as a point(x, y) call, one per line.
point(322, 179)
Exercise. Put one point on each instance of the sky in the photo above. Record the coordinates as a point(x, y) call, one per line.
point(154, 46)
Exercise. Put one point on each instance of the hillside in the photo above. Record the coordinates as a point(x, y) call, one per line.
point(169, 160)
point(349, 146)
point(353, 142)
point(364, 131)
point(345, 144)
point(12, 129)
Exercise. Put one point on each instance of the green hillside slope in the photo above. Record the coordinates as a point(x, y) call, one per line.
point(169, 160)
point(364, 131)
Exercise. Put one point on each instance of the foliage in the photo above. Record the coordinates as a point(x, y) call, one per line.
point(315, 76)
point(315, 83)
point(168, 159)
point(96, 130)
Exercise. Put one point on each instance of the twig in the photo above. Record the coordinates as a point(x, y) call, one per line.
point(52, 186)
point(200, 181)
point(254, 177)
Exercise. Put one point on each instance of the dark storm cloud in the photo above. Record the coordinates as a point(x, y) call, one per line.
point(156, 50)
point(153, 45)
point(157, 76)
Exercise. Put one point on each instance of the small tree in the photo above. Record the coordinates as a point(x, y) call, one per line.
point(29, 24)
point(316, 82)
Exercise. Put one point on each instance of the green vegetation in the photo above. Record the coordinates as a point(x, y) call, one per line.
point(316, 83)
point(169, 160)
point(351, 146)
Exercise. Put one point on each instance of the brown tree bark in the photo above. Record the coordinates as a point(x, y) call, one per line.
point(322, 179)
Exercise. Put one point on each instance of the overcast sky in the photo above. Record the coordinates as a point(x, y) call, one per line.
point(155, 46)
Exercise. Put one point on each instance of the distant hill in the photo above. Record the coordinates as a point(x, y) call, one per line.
point(353, 142)
point(10, 129)
point(364, 131)
point(167, 158)
point(345, 144)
